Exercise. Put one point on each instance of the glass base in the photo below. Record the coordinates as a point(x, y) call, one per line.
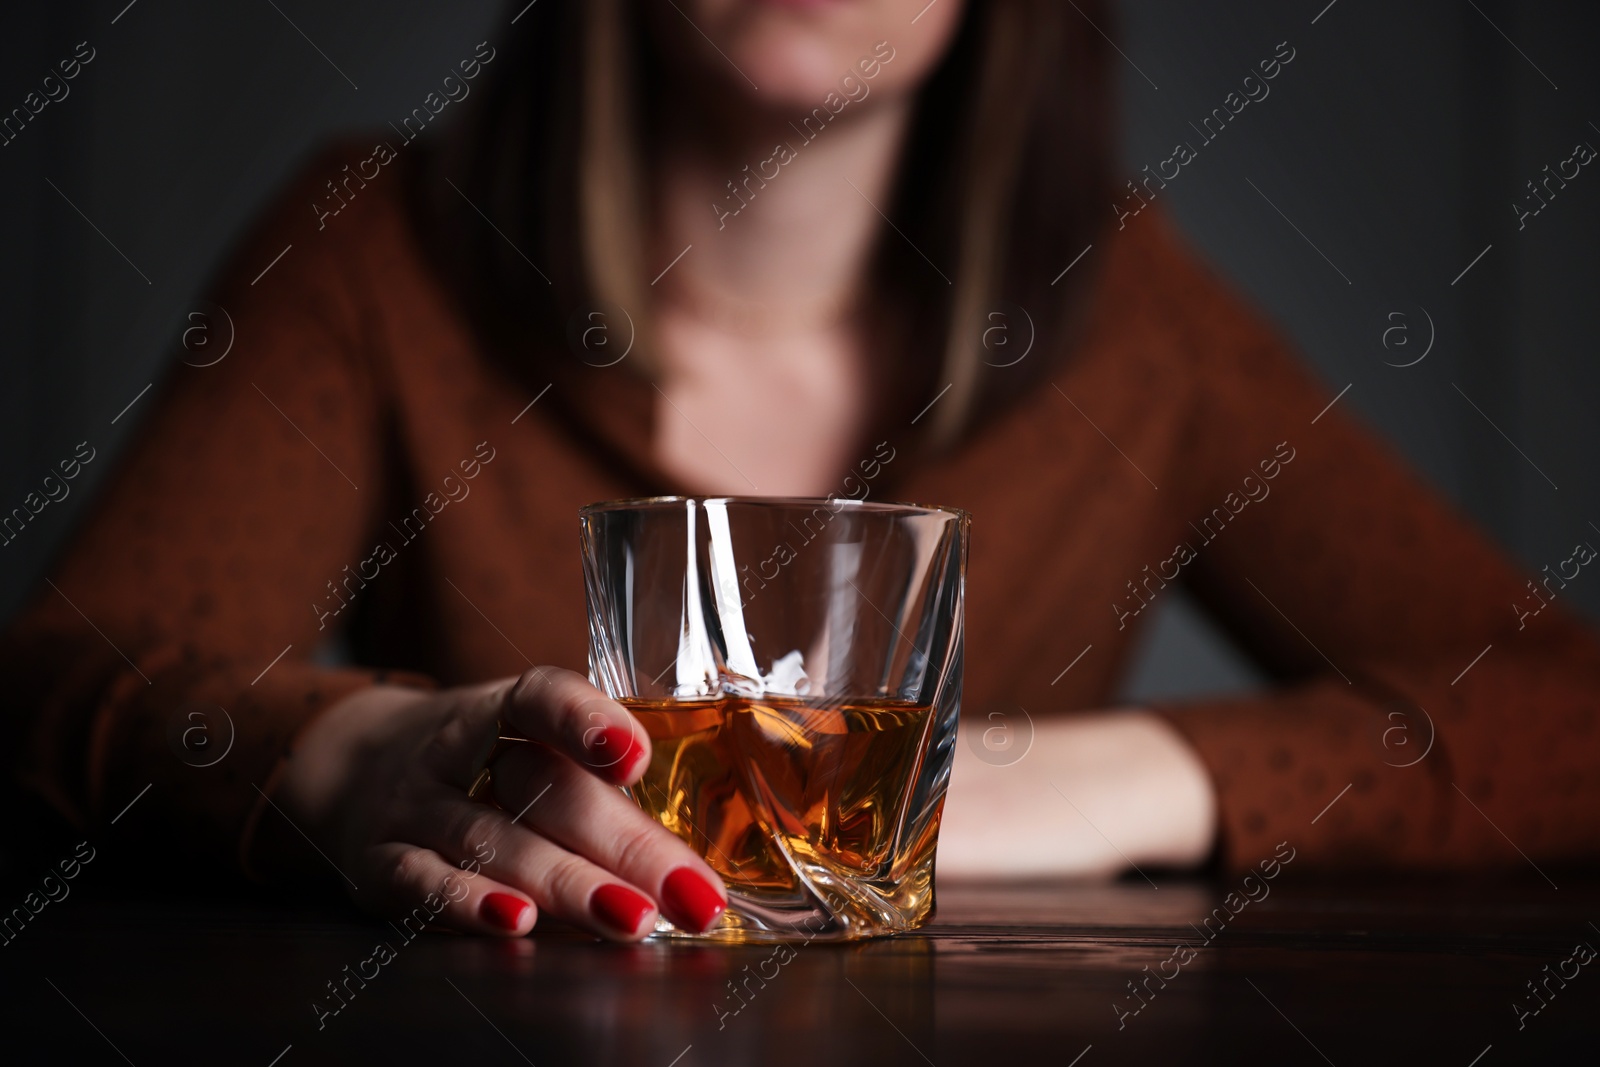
point(835, 910)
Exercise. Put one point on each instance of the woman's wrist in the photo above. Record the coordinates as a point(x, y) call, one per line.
point(1092, 795)
point(1170, 793)
point(305, 791)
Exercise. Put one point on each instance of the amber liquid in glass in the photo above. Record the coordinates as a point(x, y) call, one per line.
point(743, 780)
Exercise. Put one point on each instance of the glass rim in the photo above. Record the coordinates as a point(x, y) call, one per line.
point(662, 503)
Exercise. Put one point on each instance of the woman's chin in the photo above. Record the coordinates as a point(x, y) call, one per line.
point(789, 70)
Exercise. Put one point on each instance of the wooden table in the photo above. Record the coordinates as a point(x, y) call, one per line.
point(1372, 972)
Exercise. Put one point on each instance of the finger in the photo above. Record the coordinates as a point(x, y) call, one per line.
point(561, 709)
point(595, 821)
point(564, 885)
point(417, 886)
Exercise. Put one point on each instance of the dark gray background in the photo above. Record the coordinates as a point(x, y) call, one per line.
point(1396, 142)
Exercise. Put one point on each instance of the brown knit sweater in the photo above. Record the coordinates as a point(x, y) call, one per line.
point(355, 437)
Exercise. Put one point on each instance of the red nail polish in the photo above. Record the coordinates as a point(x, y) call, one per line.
point(620, 907)
point(690, 900)
point(614, 750)
point(504, 910)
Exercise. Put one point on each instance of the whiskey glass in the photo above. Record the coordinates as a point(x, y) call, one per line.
point(797, 665)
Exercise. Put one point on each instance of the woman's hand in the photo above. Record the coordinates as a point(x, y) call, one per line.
point(379, 783)
point(1093, 796)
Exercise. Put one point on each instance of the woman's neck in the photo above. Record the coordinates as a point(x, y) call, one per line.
point(786, 245)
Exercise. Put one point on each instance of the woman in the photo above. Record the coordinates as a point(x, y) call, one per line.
point(768, 248)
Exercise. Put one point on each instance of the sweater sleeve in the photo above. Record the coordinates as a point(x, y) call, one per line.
point(1433, 714)
point(166, 662)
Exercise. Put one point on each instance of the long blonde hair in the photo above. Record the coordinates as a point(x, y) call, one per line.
point(1005, 177)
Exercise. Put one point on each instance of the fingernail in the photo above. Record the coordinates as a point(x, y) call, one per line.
point(691, 901)
point(503, 910)
point(620, 907)
point(614, 750)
